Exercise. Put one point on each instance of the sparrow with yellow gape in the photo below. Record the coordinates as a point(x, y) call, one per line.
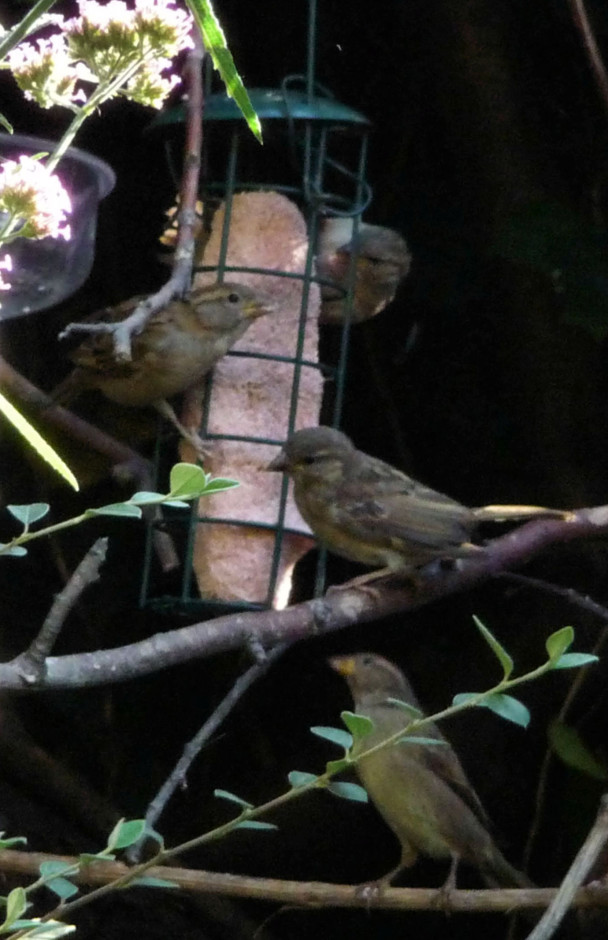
point(420, 790)
point(370, 512)
point(176, 348)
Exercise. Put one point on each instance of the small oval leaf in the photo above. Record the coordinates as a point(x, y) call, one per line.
point(358, 725)
point(232, 798)
point(348, 791)
point(29, 513)
point(410, 710)
point(499, 651)
point(255, 824)
point(557, 644)
point(126, 832)
point(299, 778)
point(570, 747)
point(187, 481)
point(335, 735)
point(116, 509)
point(574, 660)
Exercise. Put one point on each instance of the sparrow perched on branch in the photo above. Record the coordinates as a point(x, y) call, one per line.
point(421, 790)
point(370, 512)
point(174, 351)
point(382, 261)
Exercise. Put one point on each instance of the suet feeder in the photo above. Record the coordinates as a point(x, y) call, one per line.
point(267, 212)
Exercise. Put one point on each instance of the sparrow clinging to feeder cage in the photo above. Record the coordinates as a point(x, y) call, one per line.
point(382, 261)
point(370, 512)
point(421, 790)
point(176, 348)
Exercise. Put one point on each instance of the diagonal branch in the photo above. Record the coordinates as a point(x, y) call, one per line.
point(338, 609)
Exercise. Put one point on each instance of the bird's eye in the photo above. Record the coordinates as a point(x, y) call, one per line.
point(367, 660)
point(308, 460)
point(233, 298)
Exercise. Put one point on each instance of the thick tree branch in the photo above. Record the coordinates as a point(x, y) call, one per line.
point(311, 893)
point(339, 608)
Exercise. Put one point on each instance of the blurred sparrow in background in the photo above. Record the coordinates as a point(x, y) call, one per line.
point(370, 512)
point(421, 790)
point(382, 260)
point(174, 351)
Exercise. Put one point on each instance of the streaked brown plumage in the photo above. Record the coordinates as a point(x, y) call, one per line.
point(370, 512)
point(421, 791)
point(382, 261)
point(177, 347)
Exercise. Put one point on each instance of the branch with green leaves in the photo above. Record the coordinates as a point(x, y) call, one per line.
point(58, 876)
point(186, 482)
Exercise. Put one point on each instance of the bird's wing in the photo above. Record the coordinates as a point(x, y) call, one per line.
point(96, 353)
point(378, 500)
point(443, 762)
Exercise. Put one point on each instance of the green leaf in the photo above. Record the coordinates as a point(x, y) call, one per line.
point(30, 513)
point(16, 906)
point(255, 824)
point(574, 660)
point(219, 484)
point(570, 747)
point(187, 481)
point(215, 44)
point(358, 725)
point(348, 791)
point(499, 651)
point(52, 871)
point(49, 930)
point(419, 739)
point(557, 644)
point(9, 843)
point(54, 867)
point(176, 503)
point(147, 881)
point(509, 708)
point(299, 778)
point(37, 441)
point(504, 705)
point(232, 798)
point(410, 710)
point(143, 497)
point(116, 509)
point(335, 735)
point(63, 888)
point(125, 833)
point(8, 127)
point(17, 551)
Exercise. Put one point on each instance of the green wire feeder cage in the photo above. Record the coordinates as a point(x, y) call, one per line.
point(239, 547)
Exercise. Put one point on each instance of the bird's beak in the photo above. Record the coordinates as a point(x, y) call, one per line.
point(279, 462)
point(256, 308)
point(345, 665)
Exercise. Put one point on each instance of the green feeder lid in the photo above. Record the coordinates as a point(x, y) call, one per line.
point(271, 103)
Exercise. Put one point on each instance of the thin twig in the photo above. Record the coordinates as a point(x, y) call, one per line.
point(581, 20)
point(572, 596)
point(193, 748)
point(34, 658)
point(580, 868)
